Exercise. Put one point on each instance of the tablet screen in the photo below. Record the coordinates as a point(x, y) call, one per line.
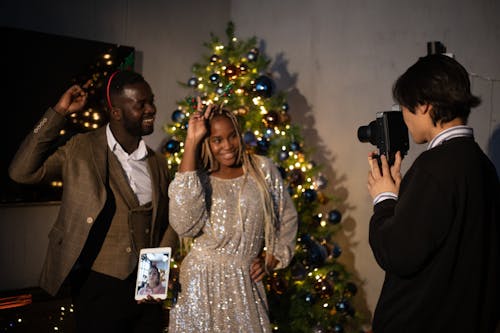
point(152, 273)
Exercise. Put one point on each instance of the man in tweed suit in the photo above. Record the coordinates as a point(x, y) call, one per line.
point(114, 203)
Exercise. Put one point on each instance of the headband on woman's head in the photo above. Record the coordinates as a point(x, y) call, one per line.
point(107, 90)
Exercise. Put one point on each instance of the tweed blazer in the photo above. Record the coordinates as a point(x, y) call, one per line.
point(82, 165)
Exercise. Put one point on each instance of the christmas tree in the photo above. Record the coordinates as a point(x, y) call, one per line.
point(315, 293)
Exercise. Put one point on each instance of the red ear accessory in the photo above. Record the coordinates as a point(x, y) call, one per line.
point(107, 89)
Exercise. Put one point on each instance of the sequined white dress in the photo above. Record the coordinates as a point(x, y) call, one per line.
point(225, 217)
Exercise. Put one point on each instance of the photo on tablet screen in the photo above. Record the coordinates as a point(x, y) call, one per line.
point(152, 273)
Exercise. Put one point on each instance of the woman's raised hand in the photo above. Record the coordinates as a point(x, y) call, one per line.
point(198, 123)
point(197, 130)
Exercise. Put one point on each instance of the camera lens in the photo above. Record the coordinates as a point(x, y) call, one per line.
point(364, 133)
point(368, 133)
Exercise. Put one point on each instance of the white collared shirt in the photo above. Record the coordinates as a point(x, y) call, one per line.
point(450, 133)
point(135, 166)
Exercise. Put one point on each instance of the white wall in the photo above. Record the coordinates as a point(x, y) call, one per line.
point(339, 59)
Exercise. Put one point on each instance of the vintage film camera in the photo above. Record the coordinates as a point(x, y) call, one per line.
point(388, 132)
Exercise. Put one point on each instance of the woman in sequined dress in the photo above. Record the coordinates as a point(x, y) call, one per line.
point(233, 204)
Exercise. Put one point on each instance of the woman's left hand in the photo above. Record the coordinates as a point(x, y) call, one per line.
point(257, 268)
point(257, 271)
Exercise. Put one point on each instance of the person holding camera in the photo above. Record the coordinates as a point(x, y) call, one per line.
point(436, 231)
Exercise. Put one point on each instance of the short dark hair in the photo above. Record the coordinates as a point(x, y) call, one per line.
point(122, 79)
point(440, 81)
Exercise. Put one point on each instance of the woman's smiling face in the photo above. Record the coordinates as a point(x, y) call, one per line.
point(224, 142)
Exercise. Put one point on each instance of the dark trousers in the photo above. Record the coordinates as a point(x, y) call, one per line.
point(106, 304)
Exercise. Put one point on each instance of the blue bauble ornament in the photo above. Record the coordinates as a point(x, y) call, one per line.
point(269, 133)
point(253, 54)
point(342, 306)
point(336, 251)
point(309, 298)
point(283, 155)
point(334, 216)
point(172, 146)
point(264, 86)
point(310, 195)
point(250, 139)
point(295, 146)
point(338, 328)
point(333, 275)
point(262, 147)
point(316, 252)
point(193, 82)
point(285, 107)
point(178, 116)
point(214, 78)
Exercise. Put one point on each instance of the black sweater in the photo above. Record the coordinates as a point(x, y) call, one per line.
point(439, 245)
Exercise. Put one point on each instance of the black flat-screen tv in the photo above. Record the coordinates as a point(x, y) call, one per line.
point(38, 68)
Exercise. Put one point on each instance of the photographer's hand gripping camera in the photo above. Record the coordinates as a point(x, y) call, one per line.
point(388, 132)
